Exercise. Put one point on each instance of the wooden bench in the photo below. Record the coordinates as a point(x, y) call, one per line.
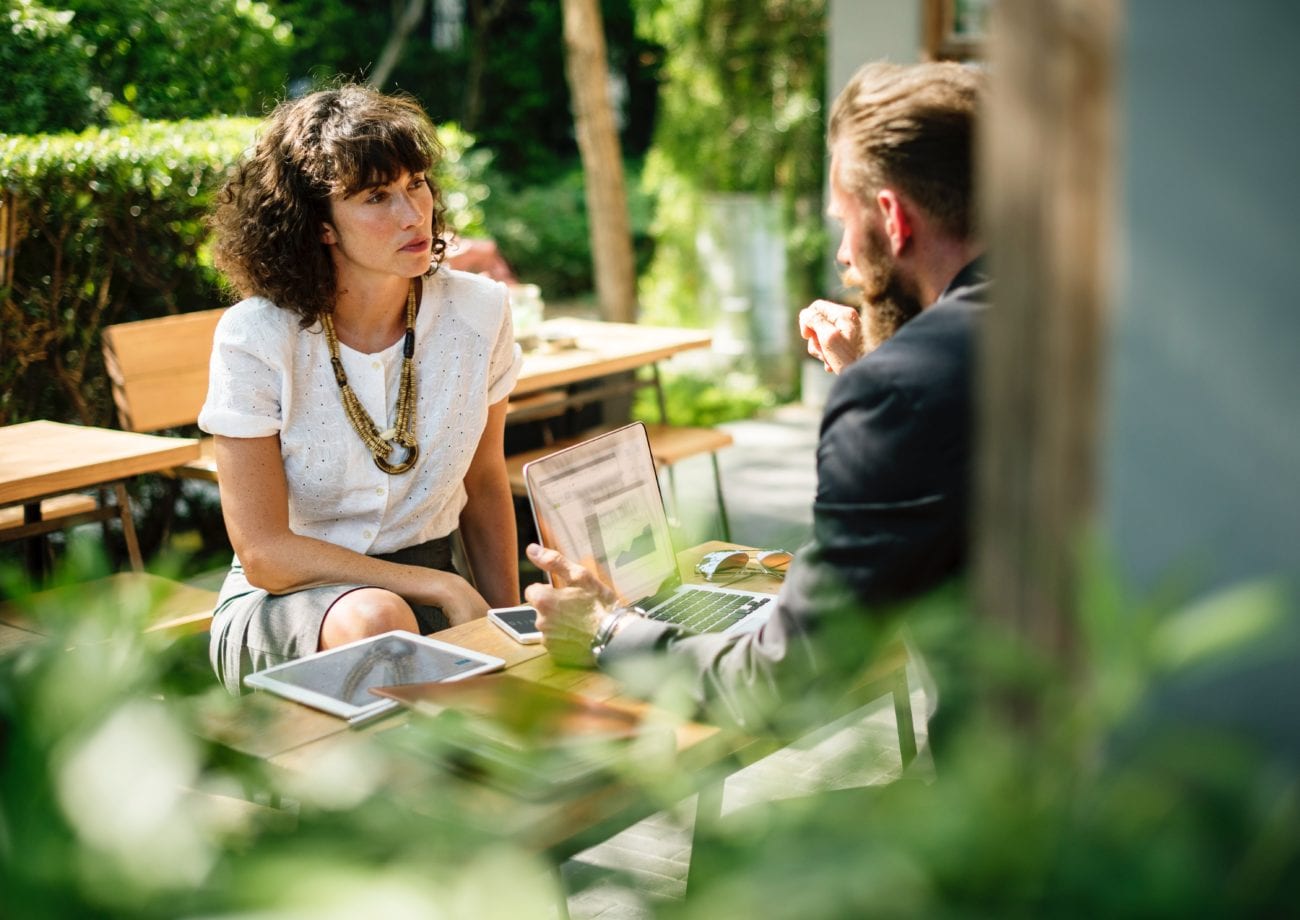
point(159, 372)
point(60, 507)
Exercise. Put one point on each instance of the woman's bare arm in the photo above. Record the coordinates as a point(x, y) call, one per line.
point(255, 503)
point(487, 524)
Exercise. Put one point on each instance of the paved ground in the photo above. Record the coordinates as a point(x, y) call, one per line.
point(768, 480)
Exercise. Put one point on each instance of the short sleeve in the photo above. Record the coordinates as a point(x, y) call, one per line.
point(507, 358)
point(246, 374)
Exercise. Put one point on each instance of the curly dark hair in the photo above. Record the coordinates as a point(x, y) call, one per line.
point(268, 218)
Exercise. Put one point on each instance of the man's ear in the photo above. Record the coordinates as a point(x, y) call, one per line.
point(327, 234)
point(898, 223)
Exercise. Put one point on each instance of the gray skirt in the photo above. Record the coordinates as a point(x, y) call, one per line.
point(253, 630)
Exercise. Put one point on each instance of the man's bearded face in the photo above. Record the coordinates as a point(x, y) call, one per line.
point(889, 297)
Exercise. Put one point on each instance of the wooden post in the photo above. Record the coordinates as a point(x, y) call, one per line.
point(587, 71)
point(1048, 186)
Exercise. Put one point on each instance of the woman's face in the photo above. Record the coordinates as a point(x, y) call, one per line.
point(384, 230)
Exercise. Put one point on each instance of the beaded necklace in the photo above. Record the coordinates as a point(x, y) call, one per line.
point(380, 443)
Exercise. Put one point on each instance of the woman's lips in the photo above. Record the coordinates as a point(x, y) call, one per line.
point(416, 246)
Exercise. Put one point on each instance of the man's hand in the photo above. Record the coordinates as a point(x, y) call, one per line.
point(834, 333)
point(568, 617)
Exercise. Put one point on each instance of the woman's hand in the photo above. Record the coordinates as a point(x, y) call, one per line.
point(458, 599)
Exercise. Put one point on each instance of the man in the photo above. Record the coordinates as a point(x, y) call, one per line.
point(893, 459)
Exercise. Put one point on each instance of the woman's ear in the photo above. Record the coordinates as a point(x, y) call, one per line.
point(327, 234)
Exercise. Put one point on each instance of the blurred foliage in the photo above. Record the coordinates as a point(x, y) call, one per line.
point(1162, 780)
point(82, 62)
point(114, 800)
point(542, 230)
point(45, 82)
point(699, 399)
point(740, 111)
point(114, 803)
point(504, 81)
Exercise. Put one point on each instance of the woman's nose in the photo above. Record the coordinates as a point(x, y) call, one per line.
point(411, 212)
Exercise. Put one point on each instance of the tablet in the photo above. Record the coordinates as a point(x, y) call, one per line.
point(338, 681)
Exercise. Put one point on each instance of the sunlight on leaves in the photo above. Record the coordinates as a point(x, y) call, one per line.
point(1221, 623)
point(122, 789)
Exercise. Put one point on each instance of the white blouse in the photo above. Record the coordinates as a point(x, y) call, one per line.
point(268, 377)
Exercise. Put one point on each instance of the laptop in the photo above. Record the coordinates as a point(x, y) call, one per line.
point(599, 504)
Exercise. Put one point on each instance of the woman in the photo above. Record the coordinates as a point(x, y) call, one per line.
point(357, 395)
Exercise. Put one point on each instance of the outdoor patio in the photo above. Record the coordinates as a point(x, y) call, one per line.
point(1044, 658)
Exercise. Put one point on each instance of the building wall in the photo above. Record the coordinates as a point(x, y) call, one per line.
point(869, 30)
point(1202, 440)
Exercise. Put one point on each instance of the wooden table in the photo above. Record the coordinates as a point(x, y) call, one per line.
point(574, 351)
point(296, 738)
point(599, 349)
point(43, 459)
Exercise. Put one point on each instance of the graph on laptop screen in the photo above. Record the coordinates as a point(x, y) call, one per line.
point(599, 504)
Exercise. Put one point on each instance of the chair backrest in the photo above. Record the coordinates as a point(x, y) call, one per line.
point(159, 368)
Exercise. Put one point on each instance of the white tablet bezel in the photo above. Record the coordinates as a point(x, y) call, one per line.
point(267, 680)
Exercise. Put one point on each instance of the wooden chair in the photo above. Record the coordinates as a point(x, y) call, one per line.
point(159, 372)
point(158, 369)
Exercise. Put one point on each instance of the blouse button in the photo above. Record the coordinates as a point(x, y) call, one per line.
point(366, 534)
point(379, 491)
point(375, 365)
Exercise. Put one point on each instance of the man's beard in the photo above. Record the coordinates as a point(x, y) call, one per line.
point(889, 299)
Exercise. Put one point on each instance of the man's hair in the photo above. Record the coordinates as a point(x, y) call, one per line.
point(911, 127)
point(271, 212)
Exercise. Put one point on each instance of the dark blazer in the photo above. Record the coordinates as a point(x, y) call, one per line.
point(890, 521)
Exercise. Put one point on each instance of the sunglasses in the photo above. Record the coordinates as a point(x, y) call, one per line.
point(725, 562)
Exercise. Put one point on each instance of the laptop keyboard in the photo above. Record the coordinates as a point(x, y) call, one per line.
point(706, 611)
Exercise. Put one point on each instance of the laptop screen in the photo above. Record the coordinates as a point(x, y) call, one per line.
point(599, 504)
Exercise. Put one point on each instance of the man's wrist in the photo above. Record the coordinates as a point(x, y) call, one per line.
point(609, 626)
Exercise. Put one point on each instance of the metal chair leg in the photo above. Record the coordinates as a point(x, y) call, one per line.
point(722, 506)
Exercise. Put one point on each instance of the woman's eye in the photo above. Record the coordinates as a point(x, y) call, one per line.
point(376, 197)
point(419, 182)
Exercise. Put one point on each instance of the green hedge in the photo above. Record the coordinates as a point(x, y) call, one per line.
point(108, 226)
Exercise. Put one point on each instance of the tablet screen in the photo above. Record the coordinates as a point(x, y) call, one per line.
point(339, 680)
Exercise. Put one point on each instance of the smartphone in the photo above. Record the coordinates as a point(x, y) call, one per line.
point(519, 623)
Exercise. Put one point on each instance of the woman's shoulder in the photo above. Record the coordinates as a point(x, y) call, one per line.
point(475, 301)
point(457, 285)
point(257, 319)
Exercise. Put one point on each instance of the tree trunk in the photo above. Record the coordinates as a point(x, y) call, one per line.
point(482, 15)
point(1047, 171)
point(392, 53)
point(611, 237)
